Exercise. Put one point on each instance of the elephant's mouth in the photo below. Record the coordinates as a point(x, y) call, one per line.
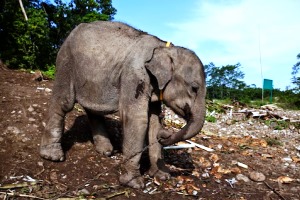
point(171, 120)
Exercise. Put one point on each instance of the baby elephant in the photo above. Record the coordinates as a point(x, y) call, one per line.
point(112, 68)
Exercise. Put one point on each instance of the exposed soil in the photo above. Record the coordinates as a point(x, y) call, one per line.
point(267, 149)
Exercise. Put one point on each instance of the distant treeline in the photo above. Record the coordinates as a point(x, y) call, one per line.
point(226, 82)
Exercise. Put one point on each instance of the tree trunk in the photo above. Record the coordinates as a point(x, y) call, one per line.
point(23, 10)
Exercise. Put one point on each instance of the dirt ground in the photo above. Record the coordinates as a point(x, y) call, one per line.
point(251, 159)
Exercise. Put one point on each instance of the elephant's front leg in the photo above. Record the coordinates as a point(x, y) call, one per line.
point(135, 123)
point(157, 168)
point(51, 148)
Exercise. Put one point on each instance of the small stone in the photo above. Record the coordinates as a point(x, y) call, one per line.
point(229, 122)
point(13, 129)
point(31, 119)
point(295, 189)
point(241, 177)
point(257, 176)
point(1, 139)
point(25, 139)
point(287, 159)
point(83, 191)
point(205, 175)
point(48, 90)
point(30, 109)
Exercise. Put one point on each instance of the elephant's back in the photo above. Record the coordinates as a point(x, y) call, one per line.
point(103, 42)
point(116, 28)
point(106, 34)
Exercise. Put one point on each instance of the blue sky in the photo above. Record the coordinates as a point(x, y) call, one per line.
point(226, 32)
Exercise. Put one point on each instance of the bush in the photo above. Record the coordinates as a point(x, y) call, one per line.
point(50, 73)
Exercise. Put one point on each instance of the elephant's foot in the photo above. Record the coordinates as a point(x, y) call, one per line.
point(52, 152)
point(103, 147)
point(160, 174)
point(134, 180)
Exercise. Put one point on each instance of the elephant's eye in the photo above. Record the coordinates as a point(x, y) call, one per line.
point(195, 87)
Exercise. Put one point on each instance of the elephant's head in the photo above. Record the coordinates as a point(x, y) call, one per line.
point(180, 75)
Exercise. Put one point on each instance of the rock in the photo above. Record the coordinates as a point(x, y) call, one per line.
point(83, 191)
point(41, 164)
point(30, 109)
point(257, 176)
point(13, 129)
point(25, 139)
point(31, 119)
point(295, 189)
point(241, 177)
point(229, 122)
point(287, 159)
point(1, 139)
point(48, 90)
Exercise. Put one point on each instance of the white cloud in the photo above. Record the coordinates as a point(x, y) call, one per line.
point(227, 32)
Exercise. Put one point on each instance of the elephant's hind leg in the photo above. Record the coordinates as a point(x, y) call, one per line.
point(100, 136)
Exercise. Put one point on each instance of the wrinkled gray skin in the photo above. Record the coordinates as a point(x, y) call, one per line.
point(110, 67)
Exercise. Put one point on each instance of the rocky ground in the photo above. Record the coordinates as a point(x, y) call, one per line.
point(248, 156)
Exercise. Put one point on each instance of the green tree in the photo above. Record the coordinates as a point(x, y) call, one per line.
point(223, 81)
point(24, 43)
point(63, 17)
point(296, 79)
point(33, 44)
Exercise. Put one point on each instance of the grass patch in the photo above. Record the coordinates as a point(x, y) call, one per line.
point(50, 72)
point(210, 118)
point(273, 141)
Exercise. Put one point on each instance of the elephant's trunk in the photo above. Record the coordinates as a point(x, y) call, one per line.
point(196, 118)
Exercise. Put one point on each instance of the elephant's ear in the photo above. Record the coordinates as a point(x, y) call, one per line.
point(161, 66)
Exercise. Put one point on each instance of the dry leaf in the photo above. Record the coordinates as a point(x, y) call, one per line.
point(214, 157)
point(204, 163)
point(218, 175)
point(296, 159)
point(263, 143)
point(284, 179)
point(215, 172)
point(236, 170)
point(223, 171)
point(196, 173)
point(185, 179)
point(193, 187)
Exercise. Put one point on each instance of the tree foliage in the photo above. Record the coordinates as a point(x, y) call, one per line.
point(224, 81)
point(33, 44)
point(296, 78)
